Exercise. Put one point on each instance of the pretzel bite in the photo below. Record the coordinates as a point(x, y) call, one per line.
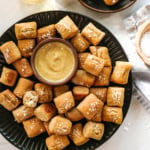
point(8, 76)
point(93, 34)
point(45, 112)
point(76, 135)
point(46, 32)
point(66, 28)
point(100, 92)
point(89, 106)
point(23, 67)
point(26, 30)
point(111, 2)
point(74, 115)
point(10, 51)
point(82, 57)
point(33, 127)
point(46, 125)
point(103, 78)
point(23, 86)
point(115, 96)
point(98, 116)
point(60, 125)
point(83, 78)
point(93, 130)
point(101, 52)
point(93, 65)
point(112, 114)
point(23, 113)
point(44, 92)
point(79, 92)
point(64, 102)
point(30, 98)
point(79, 42)
point(58, 90)
point(57, 142)
point(121, 72)
point(26, 47)
point(8, 100)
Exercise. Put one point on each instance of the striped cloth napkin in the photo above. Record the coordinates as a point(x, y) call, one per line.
point(141, 72)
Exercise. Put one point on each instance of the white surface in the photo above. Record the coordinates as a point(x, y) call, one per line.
point(134, 133)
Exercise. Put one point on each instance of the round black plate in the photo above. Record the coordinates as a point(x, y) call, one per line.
point(100, 6)
point(13, 131)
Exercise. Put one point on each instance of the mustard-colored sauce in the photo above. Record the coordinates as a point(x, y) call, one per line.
point(54, 61)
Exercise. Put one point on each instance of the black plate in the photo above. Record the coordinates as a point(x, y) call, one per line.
point(13, 131)
point(100, 6)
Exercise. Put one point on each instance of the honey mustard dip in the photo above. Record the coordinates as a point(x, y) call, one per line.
point(54, 61)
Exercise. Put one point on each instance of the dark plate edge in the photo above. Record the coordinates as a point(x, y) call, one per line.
point(107, 11)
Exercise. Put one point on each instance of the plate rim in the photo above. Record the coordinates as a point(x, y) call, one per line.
point(107, 11)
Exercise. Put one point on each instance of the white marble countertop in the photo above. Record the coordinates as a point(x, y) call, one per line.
point(134, 133)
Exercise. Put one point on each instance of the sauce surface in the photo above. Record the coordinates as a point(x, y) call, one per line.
point(54, 61)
